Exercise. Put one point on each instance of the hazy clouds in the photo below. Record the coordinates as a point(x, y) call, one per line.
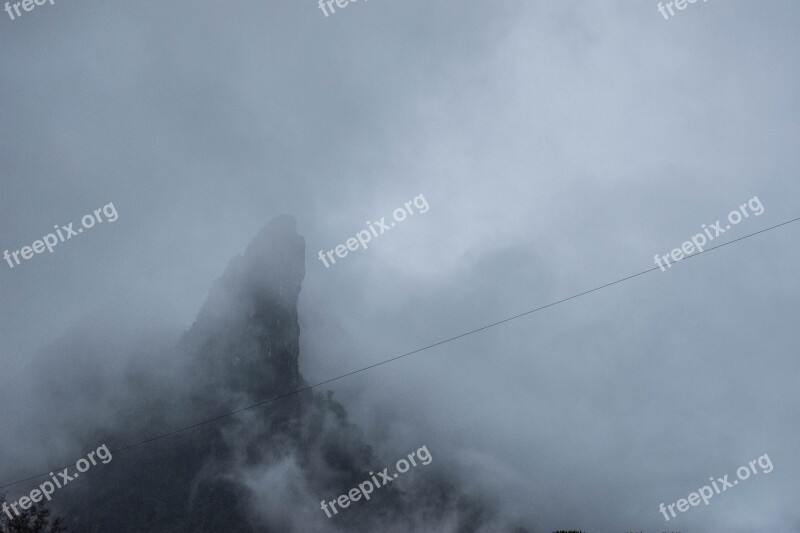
point(560, 145)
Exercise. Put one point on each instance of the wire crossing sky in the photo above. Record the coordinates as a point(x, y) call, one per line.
point(401, 356)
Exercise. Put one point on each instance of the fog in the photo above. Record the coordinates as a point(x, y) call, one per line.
point(559, 146)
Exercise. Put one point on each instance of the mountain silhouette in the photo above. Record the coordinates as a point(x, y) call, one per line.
point(263, 469)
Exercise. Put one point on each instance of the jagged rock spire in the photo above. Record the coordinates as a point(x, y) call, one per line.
point(247, 334)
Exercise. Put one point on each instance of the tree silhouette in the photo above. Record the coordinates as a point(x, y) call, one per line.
point(35, 519)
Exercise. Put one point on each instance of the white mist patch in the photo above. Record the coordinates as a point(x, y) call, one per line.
point(275, 493)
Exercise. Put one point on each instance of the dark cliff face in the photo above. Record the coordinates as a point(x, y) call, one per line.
point(265, 468)
point(245, 341)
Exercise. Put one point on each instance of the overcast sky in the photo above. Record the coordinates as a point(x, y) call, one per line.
point(559, 145)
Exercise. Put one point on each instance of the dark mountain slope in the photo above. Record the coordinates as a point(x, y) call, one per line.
point(264, 469)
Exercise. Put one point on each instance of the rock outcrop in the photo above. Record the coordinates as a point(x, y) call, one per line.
point(263, 469)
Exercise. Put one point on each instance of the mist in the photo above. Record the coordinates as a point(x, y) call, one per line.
point(559, 146)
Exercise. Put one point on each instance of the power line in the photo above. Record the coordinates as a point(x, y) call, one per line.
point(418, 350)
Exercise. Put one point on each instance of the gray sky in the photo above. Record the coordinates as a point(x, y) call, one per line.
point(560, 145)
